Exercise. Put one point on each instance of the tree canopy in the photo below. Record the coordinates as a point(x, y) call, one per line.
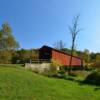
point(7, 40)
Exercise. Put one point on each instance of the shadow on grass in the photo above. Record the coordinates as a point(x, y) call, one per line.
point(96, 89)
point(84, 82)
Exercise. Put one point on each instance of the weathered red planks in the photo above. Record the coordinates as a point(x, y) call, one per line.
point(62, 57)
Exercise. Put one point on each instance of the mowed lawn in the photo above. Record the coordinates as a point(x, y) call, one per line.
point(16, 83)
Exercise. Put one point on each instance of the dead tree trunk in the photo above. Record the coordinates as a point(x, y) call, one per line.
point(74, 30)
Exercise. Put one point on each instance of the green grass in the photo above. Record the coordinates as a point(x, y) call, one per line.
point(16, 83)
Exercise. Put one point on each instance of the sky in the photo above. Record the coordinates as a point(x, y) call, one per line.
point(43, 22)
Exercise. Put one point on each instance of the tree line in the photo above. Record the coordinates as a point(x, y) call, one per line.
point(10, 52)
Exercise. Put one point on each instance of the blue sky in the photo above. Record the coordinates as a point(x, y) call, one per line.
point(39, 22)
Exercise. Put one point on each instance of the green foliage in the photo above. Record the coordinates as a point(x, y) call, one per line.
point(5, 57)
point(75, 53)
point(96, 65)
point(55, 63)
point(89, 68)
point(93, 78)
point(61, 74)
point(74, 68)
point(66, 50)
point(85, 55)
point(7, 41)
point(50, 73)
point(93, 56)
point(22, 56)
point(96, 62)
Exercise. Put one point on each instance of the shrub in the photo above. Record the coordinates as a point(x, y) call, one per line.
point(93, 78)
point(56, 64)
point(51, 72)
point(68, 77)
point(96, 65)
point(61, 74)
point(5, 57)
point(89, 68)
point(73, 73)
point(73, 68)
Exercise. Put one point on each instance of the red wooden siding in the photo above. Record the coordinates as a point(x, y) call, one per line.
point(64, 59)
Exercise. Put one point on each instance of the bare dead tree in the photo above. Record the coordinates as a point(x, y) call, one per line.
point(59, 45)
point(74, 30)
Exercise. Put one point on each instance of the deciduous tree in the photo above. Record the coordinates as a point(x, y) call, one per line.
point(59, 45)
point(7, 43)
point(7, 40)
point(74, 30)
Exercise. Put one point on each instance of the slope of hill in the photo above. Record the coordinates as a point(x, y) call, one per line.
point(16, 83)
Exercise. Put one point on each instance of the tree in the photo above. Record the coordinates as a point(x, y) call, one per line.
point(23, 55)
point(96, 63)
point(5, 57)
point(59, 45)
point(74, 30)
point(93, 56)
point(75, 52)
point(85, 55)
point(7, 41)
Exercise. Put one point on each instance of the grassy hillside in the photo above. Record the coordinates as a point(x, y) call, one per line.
point(16, 83)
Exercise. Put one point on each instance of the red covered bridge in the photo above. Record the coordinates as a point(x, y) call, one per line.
point(63, 58)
